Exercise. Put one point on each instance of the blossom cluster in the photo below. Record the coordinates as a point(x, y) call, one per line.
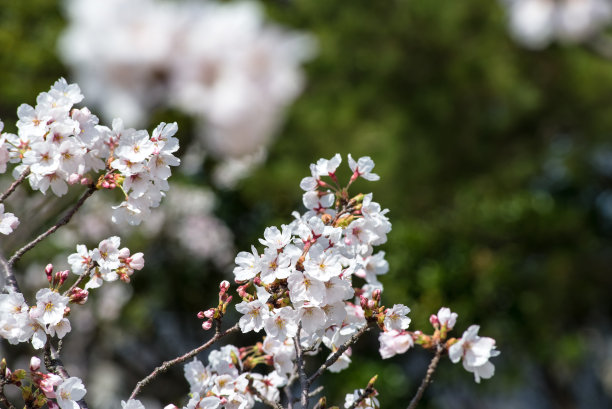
point(313, 287)
point(536, 23)
point(314, 284)
point(57, 145)
point(21, 323)
point(220, 62)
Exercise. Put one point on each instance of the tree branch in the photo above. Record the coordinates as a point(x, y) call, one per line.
point(332, 359)
point(299, 357)
point(166, 365)
point(54, 364)
point(52, 229)
point(14, 185)
point(427, 380)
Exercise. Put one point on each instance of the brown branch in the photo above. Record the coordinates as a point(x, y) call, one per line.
point(53, 228)
point(365, 394)
point(54, 364)
point(14, 185)
point(427, 380)
point(166, 365)
point(336, 355)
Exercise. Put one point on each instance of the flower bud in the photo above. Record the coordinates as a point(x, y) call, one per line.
point(208, 313)
point(34, 364)
point(206, 325)
point(61, 277)
point(433, 319)
point(74, 178)
point(85, 181)
point(224, 286)
point(49, 272)
point(78, 296)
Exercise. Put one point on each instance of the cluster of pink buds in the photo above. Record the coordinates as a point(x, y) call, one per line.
point(215, 314)
point(109, 181)
point(58, 279)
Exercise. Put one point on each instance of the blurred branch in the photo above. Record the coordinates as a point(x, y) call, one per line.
point(332, 359)
point(166, 365)
point(427, 380)
point(14, 185)
point(53, 229)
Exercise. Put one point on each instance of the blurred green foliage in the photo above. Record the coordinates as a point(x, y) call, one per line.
point(486, 156)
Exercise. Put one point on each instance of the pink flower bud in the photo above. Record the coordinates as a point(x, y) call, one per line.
point(433, 319)
point(201, 315)
point(209, 313)
point(206, 325)
point(78, 296)
point(85, 181)
point(105, 185)
point(74, 178)
point(34, 364)
point(376, 295)
point(61, 276)
point(228, 299)
point(363, 302)
point(49, 272)
point(257, 281)
point(224, 286)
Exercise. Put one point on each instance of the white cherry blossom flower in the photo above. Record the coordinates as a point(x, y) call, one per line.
point(8, 221)
point(475, 352)
point(69, 392)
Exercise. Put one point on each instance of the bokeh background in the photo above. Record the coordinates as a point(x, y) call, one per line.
point(493, 140)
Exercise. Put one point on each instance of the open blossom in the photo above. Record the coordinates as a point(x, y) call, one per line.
point(446, 318)
point(69, 392)
point(50, 307)
point(394, 342)
point(396, 317)
point(8, 221)
point(363, 167)
point(255, 313)
point(475, 352)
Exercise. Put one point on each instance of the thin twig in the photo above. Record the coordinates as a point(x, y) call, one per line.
point(299, 357)
point(427, 380)
point(287, 389)
point(54, 364)
point(79, 280)
point(266, 401)
point(11, 281)
point(53, 228)
point(336, 355)
point(166, 365)
point(14, 185)
point(316, 391)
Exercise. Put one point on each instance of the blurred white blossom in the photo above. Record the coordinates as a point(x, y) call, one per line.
point(537, 23)
point(222, 63)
